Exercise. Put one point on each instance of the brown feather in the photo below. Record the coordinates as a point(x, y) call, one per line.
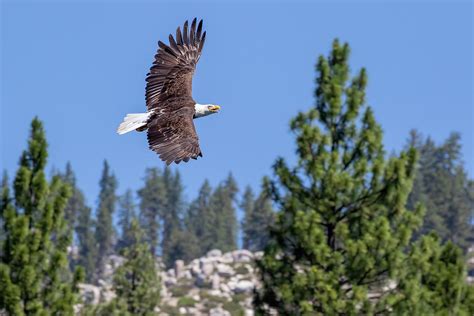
point(171, 132)
point(193, 32)
point(179, 39)
point(185, 33)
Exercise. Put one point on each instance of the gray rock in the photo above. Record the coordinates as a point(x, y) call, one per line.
point(169, 281)
point(195, 268)
point(179, 268)
point(116, 261)
point(227, 258)
point(225, 270)
point(232, 284)
point(201, 280)
point(215, 282)
point(258, 255)
point(90, 294)
point(244, 286)
point(242, 255)
point(214, 253)
point(225, 288)
point(206, 267)
point(219, 311)
point(107, 295)
point(249, 312)
point(102, 283)
point(173, 301)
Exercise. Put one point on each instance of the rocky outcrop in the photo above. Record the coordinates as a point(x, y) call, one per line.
point(218, 284)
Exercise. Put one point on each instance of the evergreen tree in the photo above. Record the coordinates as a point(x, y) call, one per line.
point(222, 206)
point(435, 281)
point(152, 205)
point(104, 233)
point(77, 215)
point(442, 185)
point(136, 282)
point(76, 201)
point(341, 243)
point(258, 216)
point(174, 240)
point(247, 205)
point(88, 250)
point(200, 222)
point(126, 215)
point(34, 275)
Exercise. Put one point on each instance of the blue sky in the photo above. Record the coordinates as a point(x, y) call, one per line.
point(80, 66)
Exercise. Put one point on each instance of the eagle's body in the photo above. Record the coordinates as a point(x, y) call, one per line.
point(170, 106)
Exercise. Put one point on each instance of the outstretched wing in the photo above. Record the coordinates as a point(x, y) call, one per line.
point(172, 134)
point(172, 71)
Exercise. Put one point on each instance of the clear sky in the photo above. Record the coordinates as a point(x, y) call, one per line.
point(80, 66)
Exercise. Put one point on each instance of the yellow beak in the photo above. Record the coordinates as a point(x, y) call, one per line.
point(215, 108)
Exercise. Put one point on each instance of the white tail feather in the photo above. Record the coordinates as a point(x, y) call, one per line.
point(132, 121)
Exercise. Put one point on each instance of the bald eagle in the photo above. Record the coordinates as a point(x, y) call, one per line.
point(170, 106)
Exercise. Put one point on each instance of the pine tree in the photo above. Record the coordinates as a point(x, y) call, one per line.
point(248, 206)
point(173, 244)
point(152, 204)
point(200, 222)
point(435, 281)
point(341, 243)
point(126, 215)
point(136, 282)
point(79, 220)
point(104, 233)
point(76, 213)
point(88, 250)
point(76, 201)
point(442, 185)
point(258, 216)
point(34, 275)
point(222, 205)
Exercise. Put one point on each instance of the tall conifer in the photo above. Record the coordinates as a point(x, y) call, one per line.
point(443, 186)
point(136, 282)
point(172, 216)
point(76, 201)
point(341, 243)
point(258, 216)
point(200, 221)
point(126, 215)
point(105, 233)
point(88, 247)
point(152, 204)
point(222, 204)
point(34, 274)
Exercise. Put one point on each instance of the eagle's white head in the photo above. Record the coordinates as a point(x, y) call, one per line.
point(201, 110)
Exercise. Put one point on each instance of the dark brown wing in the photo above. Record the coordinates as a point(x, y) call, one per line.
point(172, 71)
point(171, 133)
